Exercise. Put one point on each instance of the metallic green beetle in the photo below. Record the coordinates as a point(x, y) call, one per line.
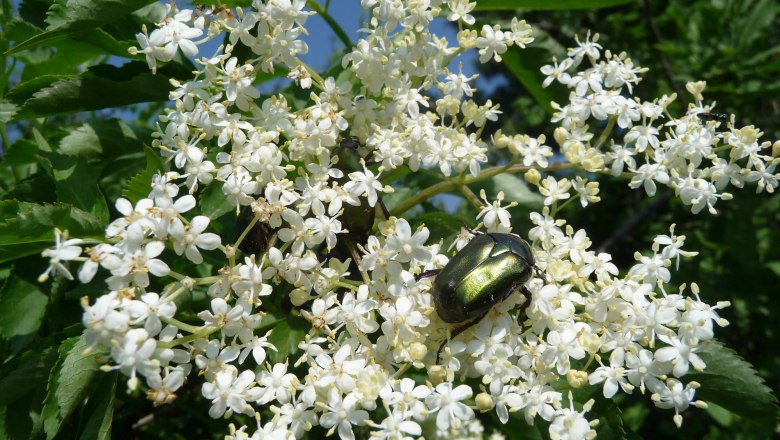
point(485, 272)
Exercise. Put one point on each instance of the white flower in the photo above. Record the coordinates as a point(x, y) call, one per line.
point(395, 427)
point(612, 376)
point(298, 417)
point(323, 228)
point(63, 251)
point(569, 424)
point(554, 190)
point(407, 245)
point(276, 384)
point(105, 319)
point(647, 175)
point(149, 310)
point(563, 345)
point(447, 401)
point(651, 269)
point(496, 217)
point(680, 354)
point(133, 354)
point(408, 397)
point(459, 10)
point(230, 390)
point(342, 413)
point(366, 184)
point(491, 43)
point(674, 395)
point(557, 72)
point(188, 240)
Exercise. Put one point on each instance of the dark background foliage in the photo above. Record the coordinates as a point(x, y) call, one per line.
point(75, 118)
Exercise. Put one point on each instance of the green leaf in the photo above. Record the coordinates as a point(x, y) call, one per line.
point(105, 137)
point(774, 266)
point(515, 189)
point(29, 227)
point(524, 65)
point(99, 411)
point(77, 184)
point(70, 18)
point(610, 417)
point(759, 15)
point(442, 225)
point(69, 383)
point(21, 377)
point(140, 185)
point(732, 383)
point(22, 152)
point(286, 336)
point(548, 5)
point(22, 307)
point(8, 111)
point(214, 203)
point(101, 86)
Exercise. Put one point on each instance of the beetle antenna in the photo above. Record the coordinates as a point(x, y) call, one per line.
point(426, 274)
point(468, 228)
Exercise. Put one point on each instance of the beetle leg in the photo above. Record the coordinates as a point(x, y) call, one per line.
point(427, 273)
point(520, 313)
point(458, 331)
point(382, 206)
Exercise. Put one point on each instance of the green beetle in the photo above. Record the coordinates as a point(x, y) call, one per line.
point(485, 272)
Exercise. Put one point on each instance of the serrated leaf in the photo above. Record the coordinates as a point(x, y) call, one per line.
point(111, 137)
point(69, 18)
point(99, 411)
point(21, 152)
point(29, 227)
point(76, 183)
point(70, 380)
point(731, 382)
point(140, 185)
point(8, 111)
point(21, 377)
point(610, 417)
point(101, 86)
point(22, 307)
point(547, 5)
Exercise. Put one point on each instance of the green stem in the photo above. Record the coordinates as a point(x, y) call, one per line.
point(471, 197)
point(606, 132)
point(184, 326)
point(450, 185)
point(204, 332)
point(331, 22)
point(557, 208)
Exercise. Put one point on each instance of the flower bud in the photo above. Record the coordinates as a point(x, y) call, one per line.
point(417, 351)
point(484, 402)
point(437, 374)
point(533, 176)
point(561, 135)
point(776, 149)
point(299, 297)
point(695, 89)
point(577, 378)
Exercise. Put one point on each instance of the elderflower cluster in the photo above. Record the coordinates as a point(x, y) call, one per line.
point(370, 319)
point(698, 155)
